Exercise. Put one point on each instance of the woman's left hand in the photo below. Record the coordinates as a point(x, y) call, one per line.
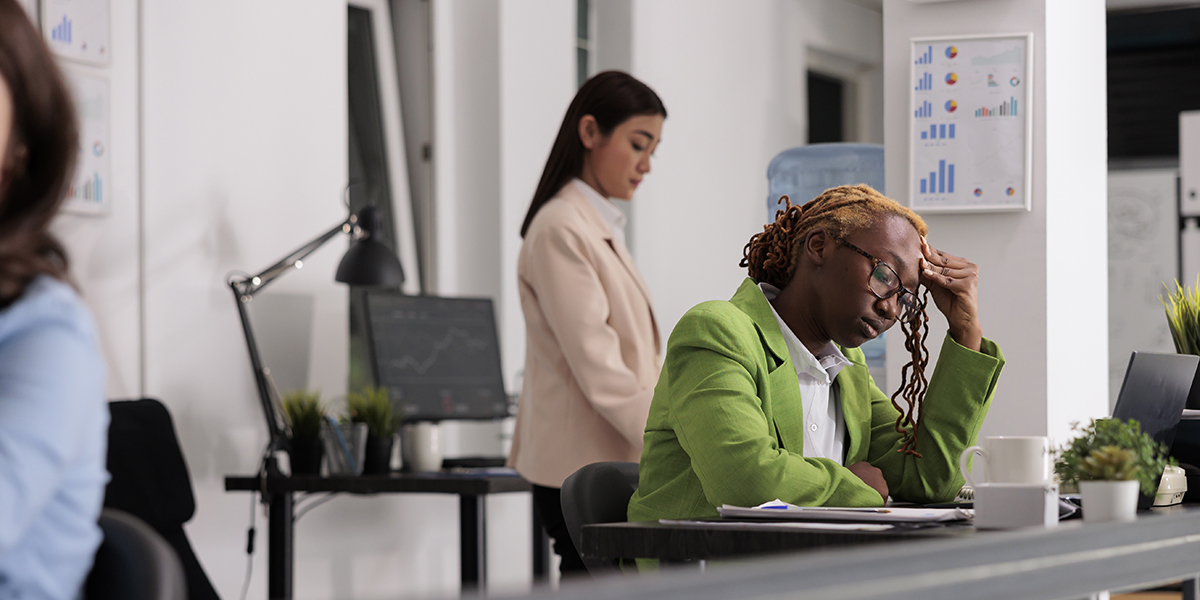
point(952, 281)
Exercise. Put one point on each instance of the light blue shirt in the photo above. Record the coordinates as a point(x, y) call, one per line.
point(53, 441)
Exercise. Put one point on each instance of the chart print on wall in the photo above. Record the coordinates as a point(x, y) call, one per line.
point(971, 127)
point(78, 29)
point(88, 192)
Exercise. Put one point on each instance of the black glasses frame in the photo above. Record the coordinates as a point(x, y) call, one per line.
point(907, 300)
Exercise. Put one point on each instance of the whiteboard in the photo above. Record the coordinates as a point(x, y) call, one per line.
point(970, 126)
point(1143, 237)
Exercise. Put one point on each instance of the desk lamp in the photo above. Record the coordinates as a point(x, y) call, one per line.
point(367, 263)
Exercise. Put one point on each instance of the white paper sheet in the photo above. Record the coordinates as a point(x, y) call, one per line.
point(778, 509)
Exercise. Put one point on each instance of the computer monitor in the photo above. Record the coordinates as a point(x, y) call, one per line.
point(438, 357)
point(1155, 392)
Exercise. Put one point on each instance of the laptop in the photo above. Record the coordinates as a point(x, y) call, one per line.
point(1155, 392)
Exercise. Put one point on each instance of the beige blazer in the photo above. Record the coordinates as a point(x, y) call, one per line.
point(591, 357)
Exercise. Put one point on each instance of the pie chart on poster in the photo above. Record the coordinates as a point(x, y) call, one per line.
point(951, 51)
point(951, 106)
point(951, 79)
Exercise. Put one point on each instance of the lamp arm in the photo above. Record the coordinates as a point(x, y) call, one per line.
point(249, 286)
point(244, 288)
point(278, 438)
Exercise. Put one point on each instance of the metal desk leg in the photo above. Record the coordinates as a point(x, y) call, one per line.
point(473, 534)
point(541, 551)
point(1191, 589)
point(280, 546)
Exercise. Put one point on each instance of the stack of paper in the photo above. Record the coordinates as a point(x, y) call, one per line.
point(778, 509)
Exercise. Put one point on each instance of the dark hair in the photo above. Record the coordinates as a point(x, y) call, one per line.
point(772, 254)
point(610, 97)
point(39, 159)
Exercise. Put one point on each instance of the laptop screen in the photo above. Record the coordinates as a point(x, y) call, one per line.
point(1155, 392)
point(439, 358)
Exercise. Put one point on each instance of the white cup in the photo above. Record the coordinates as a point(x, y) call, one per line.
point(1015, 505)
point(1011, 459)
point(422, 446)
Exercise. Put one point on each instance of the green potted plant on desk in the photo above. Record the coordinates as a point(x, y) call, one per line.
point(1183, 318)
point(372, 406)
point(303, 412)
point(1111, 460)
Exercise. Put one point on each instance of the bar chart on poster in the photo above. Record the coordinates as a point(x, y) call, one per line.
point(970, 127)
point(78, 29)
point(88, 191)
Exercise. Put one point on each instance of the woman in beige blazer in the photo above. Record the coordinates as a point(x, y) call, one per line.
point(591, 360)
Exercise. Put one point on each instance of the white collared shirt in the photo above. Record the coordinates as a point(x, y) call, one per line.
point(824, 425)
point(613, 217)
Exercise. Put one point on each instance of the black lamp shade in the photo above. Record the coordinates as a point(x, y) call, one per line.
point(370, 263)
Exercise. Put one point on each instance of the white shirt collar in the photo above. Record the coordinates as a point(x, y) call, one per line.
point(613, 217)
point(825, 366)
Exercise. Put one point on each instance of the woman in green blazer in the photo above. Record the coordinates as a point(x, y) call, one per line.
point(731, 412)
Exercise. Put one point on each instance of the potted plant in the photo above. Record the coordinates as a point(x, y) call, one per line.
point(372, 407)
point(1111, 460)
point(1183, 318)
point(303, 412)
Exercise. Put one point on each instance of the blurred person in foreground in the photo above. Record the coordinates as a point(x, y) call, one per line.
point(53, 411)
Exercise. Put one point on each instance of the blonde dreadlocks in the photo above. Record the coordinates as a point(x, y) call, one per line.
point(771, 257)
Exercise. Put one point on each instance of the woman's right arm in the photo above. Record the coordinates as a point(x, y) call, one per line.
point(575, 306)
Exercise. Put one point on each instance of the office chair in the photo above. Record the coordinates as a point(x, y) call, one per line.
point(597, 493)
point(804, 172)
point(133, 563)
point(150, 480)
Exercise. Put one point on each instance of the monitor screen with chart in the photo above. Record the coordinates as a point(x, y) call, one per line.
point(439, 358)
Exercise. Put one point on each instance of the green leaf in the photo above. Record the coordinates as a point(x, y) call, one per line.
point(1112, 449)
point(303, 412)
point(371, 405)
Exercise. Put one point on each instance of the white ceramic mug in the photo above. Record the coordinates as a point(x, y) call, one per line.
point(1014, 505)
point(1011, 459)
point(422, 446)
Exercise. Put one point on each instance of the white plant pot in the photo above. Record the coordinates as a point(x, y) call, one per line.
point(1105, 501)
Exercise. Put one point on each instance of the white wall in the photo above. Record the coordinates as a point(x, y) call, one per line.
point(532, 102)
point(732, 76)
point(104, 250)
point(1033, 299)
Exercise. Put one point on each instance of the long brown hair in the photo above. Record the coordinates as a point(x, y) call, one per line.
point(772, 254)
point(39, 159)
point(610, 97)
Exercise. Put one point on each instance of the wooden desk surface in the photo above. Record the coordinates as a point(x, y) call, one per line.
point(469, 483)
point(651, 539)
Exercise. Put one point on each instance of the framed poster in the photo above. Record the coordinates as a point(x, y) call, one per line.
point(88, 192)
point(78, 29)
point(971, 128)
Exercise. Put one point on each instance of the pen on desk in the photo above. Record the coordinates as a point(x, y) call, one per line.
point(833, 508)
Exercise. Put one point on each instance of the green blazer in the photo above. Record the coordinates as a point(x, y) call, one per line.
point(726, 424)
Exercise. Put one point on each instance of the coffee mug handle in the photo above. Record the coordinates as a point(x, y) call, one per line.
point(962, 462)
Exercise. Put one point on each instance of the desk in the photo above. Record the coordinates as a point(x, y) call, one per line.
point(651, 539)
point(1073, 560)
point(472, 489)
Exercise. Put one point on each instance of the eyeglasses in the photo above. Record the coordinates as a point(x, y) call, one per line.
point(885, 283)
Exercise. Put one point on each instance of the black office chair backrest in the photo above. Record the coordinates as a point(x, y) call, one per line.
point(150, 480)
point(133, 563)
point(597, 493)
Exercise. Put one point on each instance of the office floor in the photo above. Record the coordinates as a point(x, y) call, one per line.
point(1149, 596)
